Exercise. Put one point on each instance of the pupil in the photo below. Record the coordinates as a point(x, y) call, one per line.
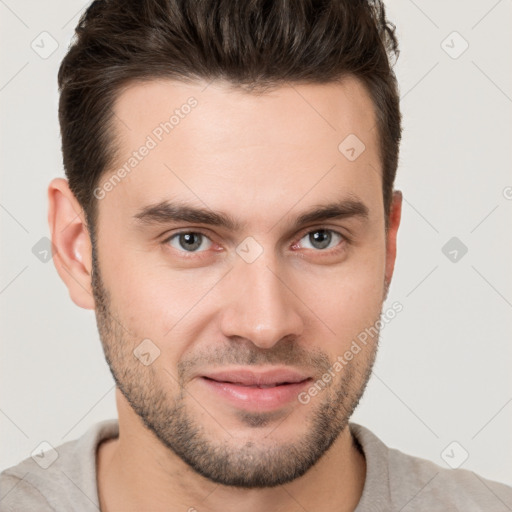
point(320, 239)
point(189, 241)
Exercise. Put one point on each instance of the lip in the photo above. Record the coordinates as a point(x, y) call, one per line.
point(240, 387)
point(268, 377)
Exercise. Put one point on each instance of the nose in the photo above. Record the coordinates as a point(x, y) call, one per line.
point(262, 307)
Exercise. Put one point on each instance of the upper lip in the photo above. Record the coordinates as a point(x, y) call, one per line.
point(255, 377)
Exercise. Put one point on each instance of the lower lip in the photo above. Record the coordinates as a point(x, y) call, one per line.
point(251, 398)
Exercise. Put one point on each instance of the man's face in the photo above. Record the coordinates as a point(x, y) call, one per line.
point(270, 294)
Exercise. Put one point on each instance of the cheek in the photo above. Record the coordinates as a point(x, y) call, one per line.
point(347, 299)
point(151, 299)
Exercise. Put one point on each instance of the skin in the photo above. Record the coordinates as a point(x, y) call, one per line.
point(263, 159)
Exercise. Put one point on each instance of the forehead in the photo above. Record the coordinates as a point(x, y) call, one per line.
point(205, 142)
point(319, 108)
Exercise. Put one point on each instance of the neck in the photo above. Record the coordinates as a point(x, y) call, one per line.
point(136, 472)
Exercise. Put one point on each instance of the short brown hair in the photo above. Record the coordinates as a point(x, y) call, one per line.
point(253, 44)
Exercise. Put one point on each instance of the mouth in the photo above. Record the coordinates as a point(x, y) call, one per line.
point(252, 390)
point(260, 386)
point(262, 378)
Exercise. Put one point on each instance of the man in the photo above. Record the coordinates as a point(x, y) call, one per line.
point(229, 214)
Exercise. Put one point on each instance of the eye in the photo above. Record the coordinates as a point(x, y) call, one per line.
point(189, 241)
point(322, 239)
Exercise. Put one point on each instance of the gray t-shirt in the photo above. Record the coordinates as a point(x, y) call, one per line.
point(394, 481)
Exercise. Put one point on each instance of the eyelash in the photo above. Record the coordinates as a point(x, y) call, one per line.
point(185, 254)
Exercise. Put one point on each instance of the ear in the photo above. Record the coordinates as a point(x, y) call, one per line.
point(70, 236)
point(395, 214)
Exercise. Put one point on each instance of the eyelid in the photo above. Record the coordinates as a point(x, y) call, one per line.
point(333, 250)
point(186, 255)
point(310, 229)
point(176, 235)
point(183, 231)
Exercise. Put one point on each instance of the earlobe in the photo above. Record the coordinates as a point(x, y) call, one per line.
point(395, 215)
point(70, 236)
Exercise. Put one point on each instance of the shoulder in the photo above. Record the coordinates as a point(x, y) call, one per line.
point(64, 478)
point(413, 484)
point(421, 481)
point(16, 493)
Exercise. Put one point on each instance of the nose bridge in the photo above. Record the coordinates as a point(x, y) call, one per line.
point(262, 309)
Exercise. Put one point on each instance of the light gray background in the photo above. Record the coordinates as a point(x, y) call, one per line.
point(443, 369)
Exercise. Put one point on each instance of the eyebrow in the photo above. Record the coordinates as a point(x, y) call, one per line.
point(166, 212)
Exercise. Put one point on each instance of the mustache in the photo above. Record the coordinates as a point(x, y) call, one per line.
point(245, 353)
